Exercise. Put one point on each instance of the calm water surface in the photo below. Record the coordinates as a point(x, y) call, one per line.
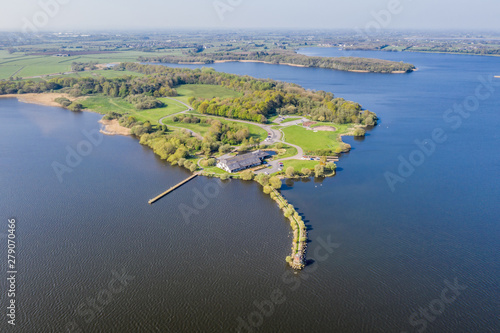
point(390, 251)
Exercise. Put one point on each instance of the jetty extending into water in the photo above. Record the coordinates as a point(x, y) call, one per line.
point(173, 188)
point(299, 243)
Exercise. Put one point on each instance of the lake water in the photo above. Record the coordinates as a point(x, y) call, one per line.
point(377, 255)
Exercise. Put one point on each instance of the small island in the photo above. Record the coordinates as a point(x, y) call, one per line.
point(216, 124)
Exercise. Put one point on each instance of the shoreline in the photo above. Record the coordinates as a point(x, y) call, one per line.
point(110, 127)
point(46, 99)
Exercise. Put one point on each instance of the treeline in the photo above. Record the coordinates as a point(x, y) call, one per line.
point(156, 86)
point(338, 63)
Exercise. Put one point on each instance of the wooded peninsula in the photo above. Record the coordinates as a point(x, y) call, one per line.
point(353, 64)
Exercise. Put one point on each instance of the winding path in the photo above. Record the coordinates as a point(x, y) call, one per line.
point(193, 133)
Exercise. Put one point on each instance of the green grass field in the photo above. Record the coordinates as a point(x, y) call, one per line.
point(47, 64)
point(299, 164)
point(204, 91)
point(104, 104)
point(310, 140)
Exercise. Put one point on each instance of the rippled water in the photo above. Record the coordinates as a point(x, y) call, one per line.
point(389, 255)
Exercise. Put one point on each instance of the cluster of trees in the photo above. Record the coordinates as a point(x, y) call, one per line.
point(144, 102)
point(80, 66)
point(223, 133)
point(254, 106)
point(288, 57)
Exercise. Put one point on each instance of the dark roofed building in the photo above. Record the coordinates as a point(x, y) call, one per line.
point(242, 162)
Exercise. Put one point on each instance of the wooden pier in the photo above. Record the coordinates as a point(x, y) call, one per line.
point(155, 199)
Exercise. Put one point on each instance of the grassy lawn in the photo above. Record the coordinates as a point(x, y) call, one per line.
point(215, 170)
point(104, 104)
point(290, 151)
point(287, 120)
point(204, 91)
point(310, 140)
point(299, 164)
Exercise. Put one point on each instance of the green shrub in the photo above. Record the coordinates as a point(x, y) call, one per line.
point(247, 175)
point(75, 107)
point(359, 132)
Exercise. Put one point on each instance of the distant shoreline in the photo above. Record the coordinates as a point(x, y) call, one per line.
point(285, 64)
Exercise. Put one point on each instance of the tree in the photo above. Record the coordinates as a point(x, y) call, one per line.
point(243, 148)
point(262, 179)
point(319, 170)
point(279, 145)
point(359, 132)
point(331, 166)
point(193, 167)
point(267, 189)
point(275, 182)
point(224, 176)
point(224, 149)
point(211, 162)
point(306, 172)
point(290, 171)
point(322, 159)
point(247, 175)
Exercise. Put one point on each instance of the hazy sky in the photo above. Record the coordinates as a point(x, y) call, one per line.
point(326, 14)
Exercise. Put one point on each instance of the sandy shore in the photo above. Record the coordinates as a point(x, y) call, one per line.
point(112, 127)
point(47, 99)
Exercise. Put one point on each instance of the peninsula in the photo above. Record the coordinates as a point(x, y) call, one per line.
point(202, 120)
